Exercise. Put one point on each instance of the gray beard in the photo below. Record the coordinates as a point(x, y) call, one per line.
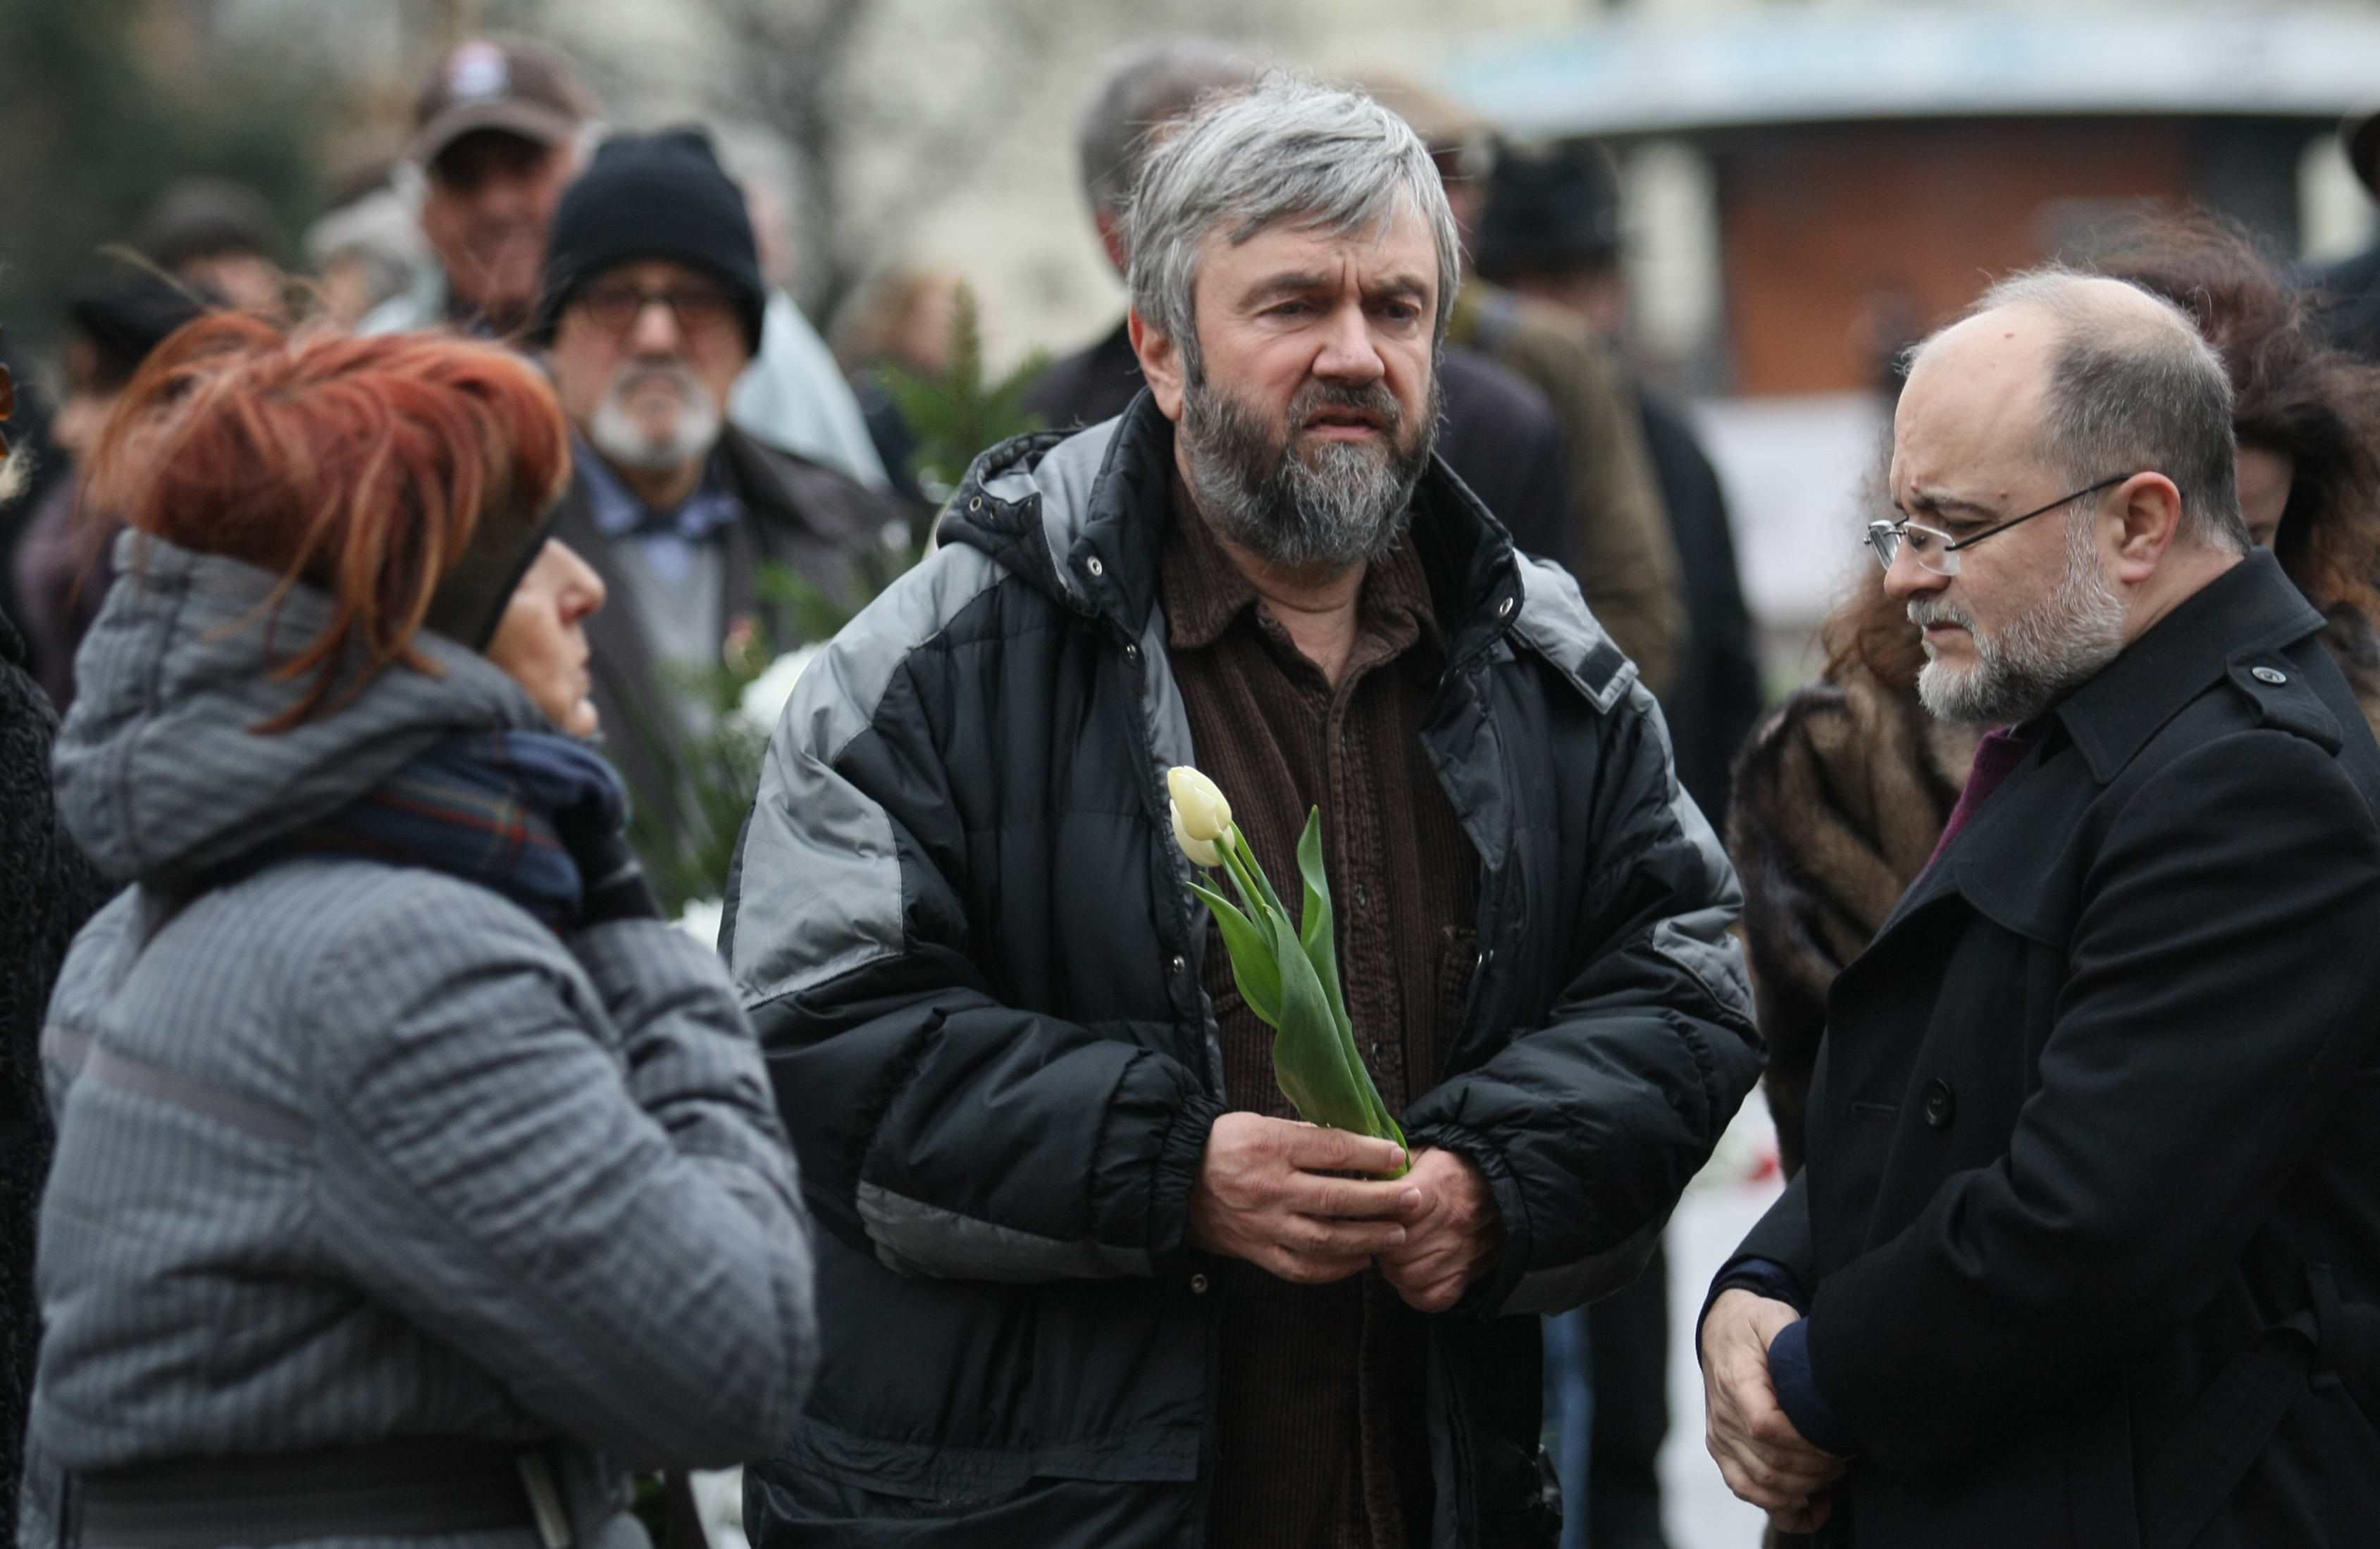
point(2041, 658)
point(1338, 504)
point(619, 437)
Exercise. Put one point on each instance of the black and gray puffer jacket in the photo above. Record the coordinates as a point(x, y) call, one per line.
point(965, 935)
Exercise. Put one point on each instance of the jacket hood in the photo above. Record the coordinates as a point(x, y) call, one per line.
point(160, 773)
point(1068, 511)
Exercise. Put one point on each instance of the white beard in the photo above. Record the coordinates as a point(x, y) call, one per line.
point(621, 437)
point(2036, 661)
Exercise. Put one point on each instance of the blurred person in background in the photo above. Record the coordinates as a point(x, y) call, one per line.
point(1550, 229)
point(652, 313)
point(368, 249)
point(1842, 795)
point(1616, 538)
point(64, 563)
point(502, 125)
point(1086, 1279)
point(1145, 87)
point(220, 238)
point(414, 1179)
point(1496, 431)
point(497, 132)
point(50, 892)
point(903, 316)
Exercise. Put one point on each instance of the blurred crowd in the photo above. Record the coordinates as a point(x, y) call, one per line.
point(736, 472)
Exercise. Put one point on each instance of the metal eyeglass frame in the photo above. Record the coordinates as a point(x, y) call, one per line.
point(1885, 537)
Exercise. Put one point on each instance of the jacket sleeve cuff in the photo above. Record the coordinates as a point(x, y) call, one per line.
point(1178, 1161)
point(1798, 1394)
point(1494, 1287)
point(1761, 1277)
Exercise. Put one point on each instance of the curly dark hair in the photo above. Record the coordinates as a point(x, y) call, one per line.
point(2295, 397)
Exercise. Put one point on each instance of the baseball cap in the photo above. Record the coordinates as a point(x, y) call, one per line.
point(499, 82)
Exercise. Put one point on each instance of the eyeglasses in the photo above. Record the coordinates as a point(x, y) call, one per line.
point(697, 309)
point(1937, 551)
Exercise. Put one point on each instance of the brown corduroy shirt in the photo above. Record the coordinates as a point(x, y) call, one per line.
point(1321, 1442)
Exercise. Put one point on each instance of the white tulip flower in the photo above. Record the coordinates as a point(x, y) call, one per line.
point(1205, 813)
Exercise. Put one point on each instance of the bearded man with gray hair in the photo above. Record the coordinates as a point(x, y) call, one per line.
point(2087, 1246)
point(1086, 1281)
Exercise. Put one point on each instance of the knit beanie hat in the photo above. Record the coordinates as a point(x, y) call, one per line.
point(658, 196)
point(1548, 212)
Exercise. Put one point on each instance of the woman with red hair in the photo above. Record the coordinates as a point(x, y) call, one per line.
point(413, 1178)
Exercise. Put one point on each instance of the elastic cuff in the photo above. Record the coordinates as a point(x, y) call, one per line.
point(1495, 1287)
point(1798, 1394)
point(1178, 1161)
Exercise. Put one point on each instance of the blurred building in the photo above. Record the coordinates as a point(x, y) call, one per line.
point(1815, 186)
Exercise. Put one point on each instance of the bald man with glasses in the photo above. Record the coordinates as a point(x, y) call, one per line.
point(2086, 1247)
point(651, 311)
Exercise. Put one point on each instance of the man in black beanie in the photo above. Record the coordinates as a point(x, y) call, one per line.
point(651, 311)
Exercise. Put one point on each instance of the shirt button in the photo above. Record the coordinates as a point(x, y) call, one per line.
point(1094, 566)
point(1941, 1104)
point(1180, 962)
point(1361, 896)
point(1197, 1285)
point(2268, 674)
point(1504, 608)
point(1131, 652)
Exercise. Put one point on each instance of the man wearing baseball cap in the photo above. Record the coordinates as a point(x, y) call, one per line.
point(501, 128)
point(652, 310)
point(497, 131)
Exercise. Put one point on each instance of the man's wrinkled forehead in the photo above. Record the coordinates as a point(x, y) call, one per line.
point(1390, 253)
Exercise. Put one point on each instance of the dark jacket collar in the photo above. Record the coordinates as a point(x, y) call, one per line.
point(2240, 620)
point(2249, 612)
point(1084, 515)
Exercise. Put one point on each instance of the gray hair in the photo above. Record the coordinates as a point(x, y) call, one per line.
point(2129, 394)
point(1292, 150)
point(1146, 89)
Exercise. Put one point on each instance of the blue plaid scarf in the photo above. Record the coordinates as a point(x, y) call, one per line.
point(481, 807)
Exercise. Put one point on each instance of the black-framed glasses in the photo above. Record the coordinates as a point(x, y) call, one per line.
point(1937, 551)
point(697, 309)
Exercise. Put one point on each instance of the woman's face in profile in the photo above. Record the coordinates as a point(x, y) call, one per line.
point(541, 640)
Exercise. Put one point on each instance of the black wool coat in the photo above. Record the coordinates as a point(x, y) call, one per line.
point(2090, 1227)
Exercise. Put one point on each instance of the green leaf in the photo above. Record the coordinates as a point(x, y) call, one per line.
point(1309, 1056)
point(1318, 932)
point(1248, 856)
point(1318, 938)
point(1252, 965)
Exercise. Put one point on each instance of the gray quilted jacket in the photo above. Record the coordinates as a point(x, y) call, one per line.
point(350, 1151)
